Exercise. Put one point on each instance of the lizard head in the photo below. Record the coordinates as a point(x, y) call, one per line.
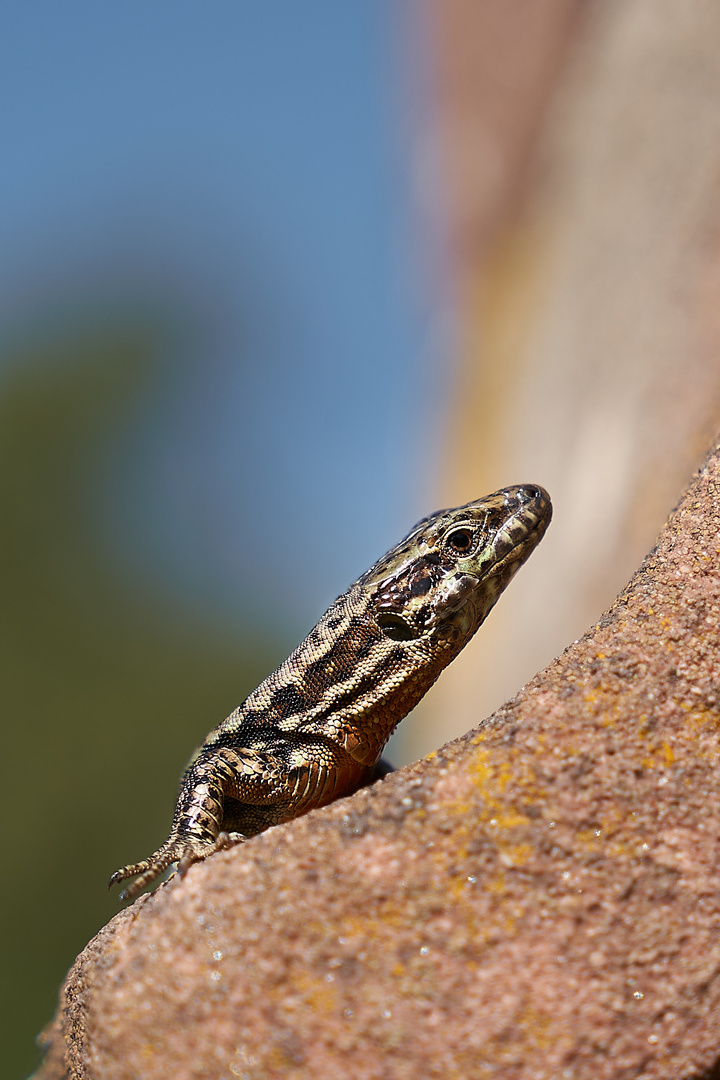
point(442, 580)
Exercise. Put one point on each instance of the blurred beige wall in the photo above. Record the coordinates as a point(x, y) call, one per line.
point(582, 159)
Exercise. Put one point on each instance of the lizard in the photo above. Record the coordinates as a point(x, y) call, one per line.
point(314, 730)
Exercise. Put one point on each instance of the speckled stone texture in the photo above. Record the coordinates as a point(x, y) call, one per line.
point(540, 899)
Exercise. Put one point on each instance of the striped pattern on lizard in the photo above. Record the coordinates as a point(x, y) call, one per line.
point(315, 729)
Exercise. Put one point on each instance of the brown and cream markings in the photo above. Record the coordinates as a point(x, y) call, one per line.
point(314, 730)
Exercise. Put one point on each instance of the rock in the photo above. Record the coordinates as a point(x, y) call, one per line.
point(539, 899)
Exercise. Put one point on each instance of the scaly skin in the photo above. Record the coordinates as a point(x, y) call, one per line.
point(315, 729)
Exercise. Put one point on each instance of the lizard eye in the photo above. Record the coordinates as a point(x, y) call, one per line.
point(395, 627)
point(460, 540)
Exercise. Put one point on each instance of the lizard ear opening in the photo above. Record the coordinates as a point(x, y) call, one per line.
point(395, 627)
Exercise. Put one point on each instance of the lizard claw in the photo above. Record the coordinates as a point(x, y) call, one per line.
point(228, 839)
point(146, 871)
point(184, 851)
point(223, 841)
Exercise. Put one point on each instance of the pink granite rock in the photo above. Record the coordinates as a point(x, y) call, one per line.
point(538, 899)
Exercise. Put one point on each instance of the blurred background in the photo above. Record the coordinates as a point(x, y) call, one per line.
point(277, 280)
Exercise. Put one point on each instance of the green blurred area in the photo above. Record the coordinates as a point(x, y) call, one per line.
point(107, 685)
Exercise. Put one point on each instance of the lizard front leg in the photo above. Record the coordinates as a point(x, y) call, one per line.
point(218, 779)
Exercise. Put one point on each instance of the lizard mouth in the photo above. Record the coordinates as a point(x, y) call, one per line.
point(521, 534)
point(518, 551)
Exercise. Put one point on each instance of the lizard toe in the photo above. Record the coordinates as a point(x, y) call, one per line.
point(228, 839)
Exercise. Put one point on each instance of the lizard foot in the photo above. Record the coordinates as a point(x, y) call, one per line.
point(182, 850)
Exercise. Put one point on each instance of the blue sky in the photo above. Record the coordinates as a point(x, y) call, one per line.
point(253, 161)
